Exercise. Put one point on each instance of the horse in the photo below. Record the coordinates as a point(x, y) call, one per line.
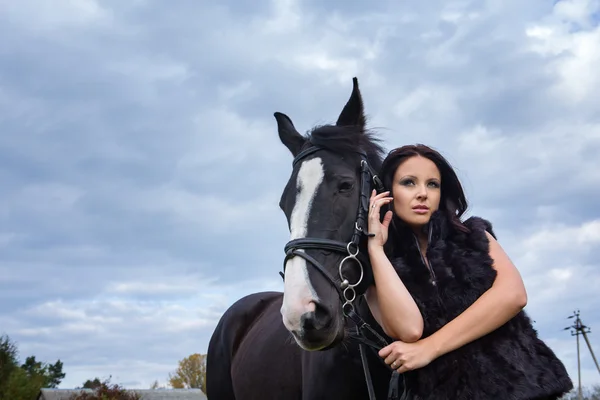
point(310, 342)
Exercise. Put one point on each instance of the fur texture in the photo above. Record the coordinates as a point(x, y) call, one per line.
point(511, 363)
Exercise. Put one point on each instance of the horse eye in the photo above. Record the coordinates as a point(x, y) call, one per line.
point(345, 187)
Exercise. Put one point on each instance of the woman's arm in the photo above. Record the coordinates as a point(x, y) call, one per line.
point(505, 299)
point(390, 302)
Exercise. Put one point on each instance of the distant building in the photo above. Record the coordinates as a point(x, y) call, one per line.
point(145, 394)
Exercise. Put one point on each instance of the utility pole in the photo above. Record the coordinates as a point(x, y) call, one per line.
point(578, 328)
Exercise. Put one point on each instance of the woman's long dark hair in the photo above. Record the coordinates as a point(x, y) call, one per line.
point(453, 202)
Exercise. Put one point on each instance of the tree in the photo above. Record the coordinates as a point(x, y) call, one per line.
point(24, 382)
point(8, 362)
point(55, 374)
point(96, 383)
point(51, 373)
point(106, 391)
point(21, 386)
point(191, 373)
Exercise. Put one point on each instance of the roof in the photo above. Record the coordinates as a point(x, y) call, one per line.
point(145, 394)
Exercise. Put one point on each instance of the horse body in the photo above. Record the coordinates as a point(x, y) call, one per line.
point(252, 356)
point(296, 344)
point(246, 352)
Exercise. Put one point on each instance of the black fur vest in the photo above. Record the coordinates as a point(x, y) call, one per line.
point(511, 363)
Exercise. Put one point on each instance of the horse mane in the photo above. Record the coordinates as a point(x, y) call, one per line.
point(348, 139)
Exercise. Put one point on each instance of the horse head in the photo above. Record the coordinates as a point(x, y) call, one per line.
point(326, 202)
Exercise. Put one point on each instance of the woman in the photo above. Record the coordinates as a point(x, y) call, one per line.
point(449, 293)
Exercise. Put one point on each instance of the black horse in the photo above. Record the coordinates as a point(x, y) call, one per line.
point(302, 344)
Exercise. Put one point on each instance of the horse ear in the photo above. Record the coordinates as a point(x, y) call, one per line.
point(288, 134)
point(353, 113)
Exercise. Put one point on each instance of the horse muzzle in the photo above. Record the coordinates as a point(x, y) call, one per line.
point(318, 330)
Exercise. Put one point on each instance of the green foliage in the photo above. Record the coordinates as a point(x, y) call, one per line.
point(24, 382)
point(21, 386)
point(51, 373)
point(96, 383)
point(55, 374)
point(8, 362)
point(190, 374)
point(105, 391)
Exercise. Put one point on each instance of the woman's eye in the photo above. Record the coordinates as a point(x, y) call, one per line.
point(407, 182)
point(434, 185)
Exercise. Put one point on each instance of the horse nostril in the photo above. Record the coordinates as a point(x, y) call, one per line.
point(315, 320)
point(321, 313)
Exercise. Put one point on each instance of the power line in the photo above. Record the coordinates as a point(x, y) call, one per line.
point(578, 328)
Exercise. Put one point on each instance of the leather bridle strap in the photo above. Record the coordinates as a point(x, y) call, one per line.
point(297, 252)
point(304, 153)
point(378, 341)
point(316, 243)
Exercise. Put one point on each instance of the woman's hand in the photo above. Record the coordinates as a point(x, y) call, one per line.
point(376, 226)
point(408, 356)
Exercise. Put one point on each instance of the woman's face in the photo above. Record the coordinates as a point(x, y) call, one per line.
point(416, 190)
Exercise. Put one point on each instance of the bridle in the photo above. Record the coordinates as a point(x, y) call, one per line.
point(344, 288)
point(351, 249)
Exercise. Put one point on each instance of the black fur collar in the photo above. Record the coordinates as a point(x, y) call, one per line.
point(402, 241)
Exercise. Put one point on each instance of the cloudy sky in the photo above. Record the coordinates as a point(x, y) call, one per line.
point(140, 167)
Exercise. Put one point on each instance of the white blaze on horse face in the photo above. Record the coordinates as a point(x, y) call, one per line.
point(299, 294)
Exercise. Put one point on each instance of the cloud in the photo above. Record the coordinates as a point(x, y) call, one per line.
point(95, 335)
point(558, 264)
point(42, 17)
point(141, 168)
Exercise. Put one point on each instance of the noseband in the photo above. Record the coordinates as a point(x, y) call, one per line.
point(344, 288)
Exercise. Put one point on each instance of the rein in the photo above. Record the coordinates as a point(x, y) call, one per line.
point(344, 288)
